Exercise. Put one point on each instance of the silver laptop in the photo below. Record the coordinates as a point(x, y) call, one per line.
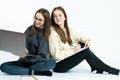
point(13, 42)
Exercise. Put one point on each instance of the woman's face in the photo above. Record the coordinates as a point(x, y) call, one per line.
point(59, 17)
point(39, 20)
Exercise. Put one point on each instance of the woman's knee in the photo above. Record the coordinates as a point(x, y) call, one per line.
point(13, 68)
point(4, 67)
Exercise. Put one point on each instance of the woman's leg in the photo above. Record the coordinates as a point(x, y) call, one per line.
point(95, 62)
point(14, 68)
point(42, 68)
point(87, 54)
point(70, 62)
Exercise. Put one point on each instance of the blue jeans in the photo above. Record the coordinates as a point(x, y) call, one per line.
point(17, 68)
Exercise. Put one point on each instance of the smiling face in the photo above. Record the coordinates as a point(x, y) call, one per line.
point(59, 17)
point(39, 20)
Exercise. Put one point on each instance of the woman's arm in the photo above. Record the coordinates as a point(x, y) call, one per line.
point(79, 38)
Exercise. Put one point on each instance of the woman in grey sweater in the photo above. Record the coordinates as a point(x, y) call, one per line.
point(36, 61)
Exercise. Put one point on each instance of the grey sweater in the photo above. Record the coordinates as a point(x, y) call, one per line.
point(37, 47)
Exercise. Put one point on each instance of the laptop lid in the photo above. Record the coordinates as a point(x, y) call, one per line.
point(13, 42)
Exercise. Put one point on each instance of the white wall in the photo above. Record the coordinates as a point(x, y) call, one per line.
point(97, 19)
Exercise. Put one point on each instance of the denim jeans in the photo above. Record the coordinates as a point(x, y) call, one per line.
point(17, 68)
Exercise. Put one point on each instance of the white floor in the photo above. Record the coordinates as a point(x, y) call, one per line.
point(80, 72)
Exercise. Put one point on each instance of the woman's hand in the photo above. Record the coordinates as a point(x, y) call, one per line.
point(87, 44)
point(77, 48)
point(26, 50)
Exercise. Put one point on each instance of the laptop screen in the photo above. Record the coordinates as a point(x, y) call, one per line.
point(13, 42)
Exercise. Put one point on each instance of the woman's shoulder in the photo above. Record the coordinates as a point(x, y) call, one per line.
point(28, 29)
point(52, 29)
point(71, 30)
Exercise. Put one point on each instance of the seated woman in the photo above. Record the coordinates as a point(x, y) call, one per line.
point(36, 62)
point(64, 46)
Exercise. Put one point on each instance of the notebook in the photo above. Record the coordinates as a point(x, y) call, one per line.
point(13, 42)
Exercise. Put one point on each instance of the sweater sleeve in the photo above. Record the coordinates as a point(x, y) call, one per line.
point(55, 48)
point(77, 37)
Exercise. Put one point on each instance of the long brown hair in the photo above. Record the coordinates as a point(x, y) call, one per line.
point(60, 32)
point(46, 25)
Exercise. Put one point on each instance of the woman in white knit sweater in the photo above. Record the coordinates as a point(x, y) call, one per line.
point(65, 46)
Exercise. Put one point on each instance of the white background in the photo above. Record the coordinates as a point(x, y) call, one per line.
point(98, 20)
